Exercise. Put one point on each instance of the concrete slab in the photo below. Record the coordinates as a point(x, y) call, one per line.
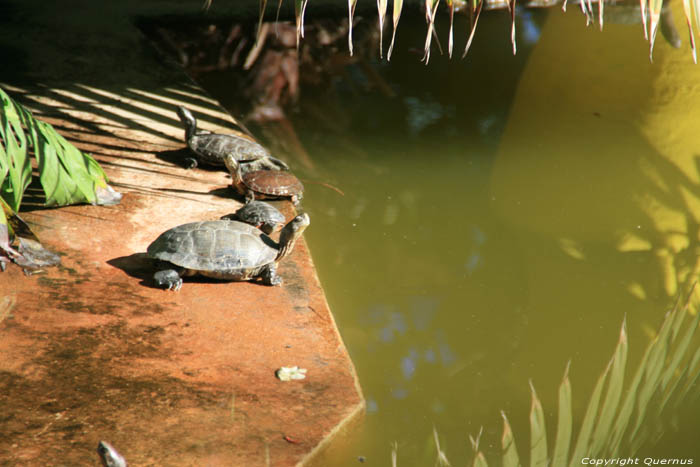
point(90, 350)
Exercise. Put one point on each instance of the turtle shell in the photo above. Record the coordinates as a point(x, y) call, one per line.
point(259, 213)
point(213, 147)
point(223, 247)
point(273, 183)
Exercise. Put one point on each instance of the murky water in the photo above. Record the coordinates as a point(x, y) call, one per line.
point(500, 217)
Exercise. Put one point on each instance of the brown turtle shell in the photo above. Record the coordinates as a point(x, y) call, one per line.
point(273, 183)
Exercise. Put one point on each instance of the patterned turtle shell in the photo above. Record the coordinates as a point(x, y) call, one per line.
point(276, 184)
point(228, 248)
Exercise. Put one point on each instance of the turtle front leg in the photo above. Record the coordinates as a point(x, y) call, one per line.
point(191, 163)
point(168, 279)
point(269, 275)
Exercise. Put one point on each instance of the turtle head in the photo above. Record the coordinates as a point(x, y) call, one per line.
point(109, 456)
point(234, 168)
point(291, 233)
point(188, 120)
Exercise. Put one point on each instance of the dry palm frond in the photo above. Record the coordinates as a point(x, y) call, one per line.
point(398, 6)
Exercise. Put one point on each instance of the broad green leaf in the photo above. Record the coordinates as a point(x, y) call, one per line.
point(613, 394)
point(398, 5)
point(15, 168)
point(480, 4)
point(381, 10)
point(351, 15)
point(67, 175)
point(510, 452)
point(538, 432)
point(564, 423)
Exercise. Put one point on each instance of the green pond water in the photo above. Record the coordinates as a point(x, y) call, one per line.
point(500, 217)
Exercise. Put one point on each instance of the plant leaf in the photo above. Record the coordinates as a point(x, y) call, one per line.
point(263, 6)
point(381, 10)
point(398, 6)
point(299, 11)
point(643, 12)
point(654, 14)
point(15, 168)
point(584, 436)
point(430, 9)
point(510, 452)
point(479, 5)
point(613, 394)
point(511, 6)
point(451, 6)
point(351, 14)
point(564, 422)
point(538, 433)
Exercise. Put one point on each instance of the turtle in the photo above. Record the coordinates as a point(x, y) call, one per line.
point(222, 249)
point(264, 184)
point(259, 214)
point(210, 148)
point(109, 456)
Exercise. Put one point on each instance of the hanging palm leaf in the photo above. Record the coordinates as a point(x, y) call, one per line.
point(654, 15)
point(398, 6)
point(351, 15)
point(430, 10)
point(299, 10)
point(476, 15)
point(381, 10)
point(688, 10)
point(511, 6)
point(451, 6)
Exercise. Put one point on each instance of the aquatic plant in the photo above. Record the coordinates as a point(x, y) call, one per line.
point(67, 175)
point(619, 419)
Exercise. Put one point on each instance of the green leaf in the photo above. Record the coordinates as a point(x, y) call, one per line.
point(67, 175)
point(15, 167)
point(510, 452)
point(564, 423)
point(584, 437)
point(480, 460)
point(613, 394)
point(538, 432)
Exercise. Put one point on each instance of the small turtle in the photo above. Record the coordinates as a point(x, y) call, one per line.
point(223, 249)
point(259, 214)
point(109, 456)
point(211, 148)
point(264, 184)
